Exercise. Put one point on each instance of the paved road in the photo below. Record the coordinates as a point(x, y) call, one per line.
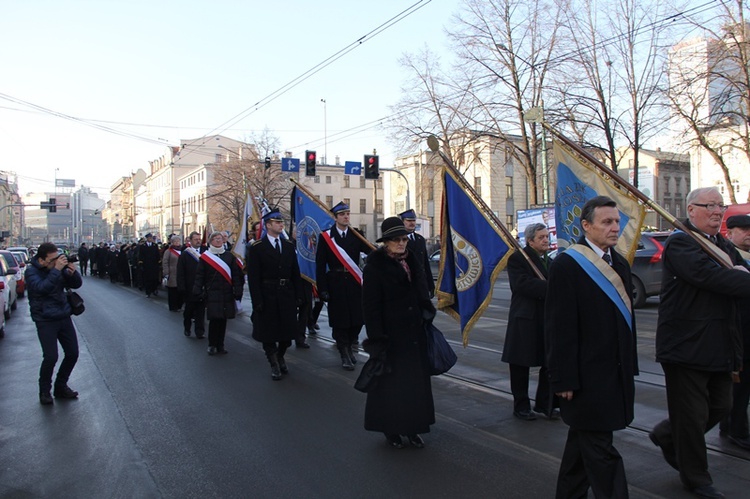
point(157, 417)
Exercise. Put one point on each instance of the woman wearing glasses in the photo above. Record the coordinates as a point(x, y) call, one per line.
point(396, 304)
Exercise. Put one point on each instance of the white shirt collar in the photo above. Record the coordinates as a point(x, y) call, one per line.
point(599, 252)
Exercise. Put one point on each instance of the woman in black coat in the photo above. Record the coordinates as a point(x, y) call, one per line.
point(396, 303)
point(218, 276)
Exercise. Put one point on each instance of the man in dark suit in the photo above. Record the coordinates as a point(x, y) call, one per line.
point(340, 284)
point(276, 292)
point(195, 308)
point(698, 338)
point(418, 246)
point(590, 343)
point(524, 338)
point(148, 259)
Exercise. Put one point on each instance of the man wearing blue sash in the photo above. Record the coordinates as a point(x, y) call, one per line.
point(590, 343)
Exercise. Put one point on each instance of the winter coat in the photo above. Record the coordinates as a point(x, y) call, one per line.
point(169, 267)
point(590, 349)
point(220, 295)
point(401, 402)
point(46, 291)
point(274, 304)
point(699, 320)
point(524, 338)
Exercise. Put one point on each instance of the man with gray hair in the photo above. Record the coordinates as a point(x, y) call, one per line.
point(698, 339)
point(524, 338)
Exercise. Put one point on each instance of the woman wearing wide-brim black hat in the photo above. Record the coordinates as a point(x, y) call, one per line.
point(396, 303)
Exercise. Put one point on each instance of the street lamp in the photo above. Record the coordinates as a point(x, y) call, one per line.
point(325, 132)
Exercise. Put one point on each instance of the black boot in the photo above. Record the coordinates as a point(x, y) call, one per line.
point(275, 370)
point(282, 362)
point(352, 357)
point(346, 361)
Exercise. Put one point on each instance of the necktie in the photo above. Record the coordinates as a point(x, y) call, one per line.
point(343, 234)
point(277, 245)
point(411, 236)
point(607, 259)
point(712, 239)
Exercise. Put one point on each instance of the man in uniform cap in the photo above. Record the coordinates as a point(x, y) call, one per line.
point(735, 426)
point(276, 292)
point(148, 259)
point(418, 246)
point(337, 286)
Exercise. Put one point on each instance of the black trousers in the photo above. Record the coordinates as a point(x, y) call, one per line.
point(697, 401)
point(50, 333)
point(276, 347)
point(195, 311)
point(84, 264)
point(217, 330)
point(519, 387)
point(736, 424)
point(590, 460)
point(174, 298)
point(346, 335)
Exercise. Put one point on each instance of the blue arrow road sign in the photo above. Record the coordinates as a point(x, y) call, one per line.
point(353, 168)
point(289, 164)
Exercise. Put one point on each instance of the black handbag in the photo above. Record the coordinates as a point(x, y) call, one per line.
point(439, 352)
point(75, 301)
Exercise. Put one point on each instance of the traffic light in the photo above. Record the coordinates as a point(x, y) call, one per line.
point(310, 159)
point(268, 162)
point(372, 166)
point(52, 206)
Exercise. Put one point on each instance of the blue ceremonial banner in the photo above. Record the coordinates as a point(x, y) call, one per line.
point(473, 252)
point(310, 219)
point(289, 164)
point(577, 182)
point(353, 168)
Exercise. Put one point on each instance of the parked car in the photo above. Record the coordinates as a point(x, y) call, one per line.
point(21, 249)
point(648, 266)
point(2, 307)
point(435, 264)
point(22, 260)
point(8, 278)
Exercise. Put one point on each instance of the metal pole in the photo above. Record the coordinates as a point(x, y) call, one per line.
point(325, 131)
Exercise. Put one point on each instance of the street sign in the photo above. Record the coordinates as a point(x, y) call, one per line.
point(289, 164)
point(353, 168)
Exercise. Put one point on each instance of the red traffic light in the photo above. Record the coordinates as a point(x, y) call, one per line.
point(311, 156)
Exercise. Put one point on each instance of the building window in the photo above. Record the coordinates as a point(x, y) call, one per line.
point(328, 179)
point(329, 201)
point(478, 185)
point(347, 201)
point(346, 180)
point(508, 192)
point(378, 206)
point(363, 206)
point(317, 179)
point(362, 181)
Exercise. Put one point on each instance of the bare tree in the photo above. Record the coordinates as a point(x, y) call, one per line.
point(709, 90)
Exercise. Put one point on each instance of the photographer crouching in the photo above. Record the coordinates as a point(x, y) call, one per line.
point(47, 277)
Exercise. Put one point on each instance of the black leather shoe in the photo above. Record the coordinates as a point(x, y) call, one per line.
point(311, 331)
point(316, 327)
point(352, 356)
point(555, 414)
point(743, 442)
point(200, 335)
point(212, 351)
point(187, 332)
point(667, 451)
point(527, 415)
point(416, 441)
point(222, 351)
point(303, 344)
point(275, 373)
point(45, 398)
point(64, 392)
point(707, 491)
point(394, 441)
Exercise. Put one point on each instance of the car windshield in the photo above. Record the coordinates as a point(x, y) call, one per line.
point(9, 260)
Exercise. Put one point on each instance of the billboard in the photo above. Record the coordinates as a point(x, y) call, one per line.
point(544, 216)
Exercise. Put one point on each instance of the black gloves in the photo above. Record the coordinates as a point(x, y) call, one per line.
point(325, 296)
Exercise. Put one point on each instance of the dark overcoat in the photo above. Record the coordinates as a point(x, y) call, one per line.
point(345, 305)
point(524, 338)
point(187, 266)
point(274, 304)
point(590, 348)
point(699, 322)
point(401, 403)
point(418, 247)
point(220, 295)
point(149, 258)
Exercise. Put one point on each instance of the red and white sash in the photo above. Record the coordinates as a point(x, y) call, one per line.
point(343, 256)
point(175, 252)
point(218, 264)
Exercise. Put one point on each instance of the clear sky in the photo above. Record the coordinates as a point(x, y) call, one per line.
point(166, 70)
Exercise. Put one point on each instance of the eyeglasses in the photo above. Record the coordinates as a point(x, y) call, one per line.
point(400, 239)
point(711, 206)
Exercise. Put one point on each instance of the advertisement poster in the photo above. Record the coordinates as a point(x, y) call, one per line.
point(544, 216)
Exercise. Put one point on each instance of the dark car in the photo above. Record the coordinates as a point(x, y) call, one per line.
point(647, 266)
point(435, 264)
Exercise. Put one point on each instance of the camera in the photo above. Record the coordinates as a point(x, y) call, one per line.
point(72, 258)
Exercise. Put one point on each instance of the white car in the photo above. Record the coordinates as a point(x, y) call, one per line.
point(8, 279)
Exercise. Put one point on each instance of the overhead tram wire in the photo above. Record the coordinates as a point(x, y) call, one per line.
point(318, 67)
